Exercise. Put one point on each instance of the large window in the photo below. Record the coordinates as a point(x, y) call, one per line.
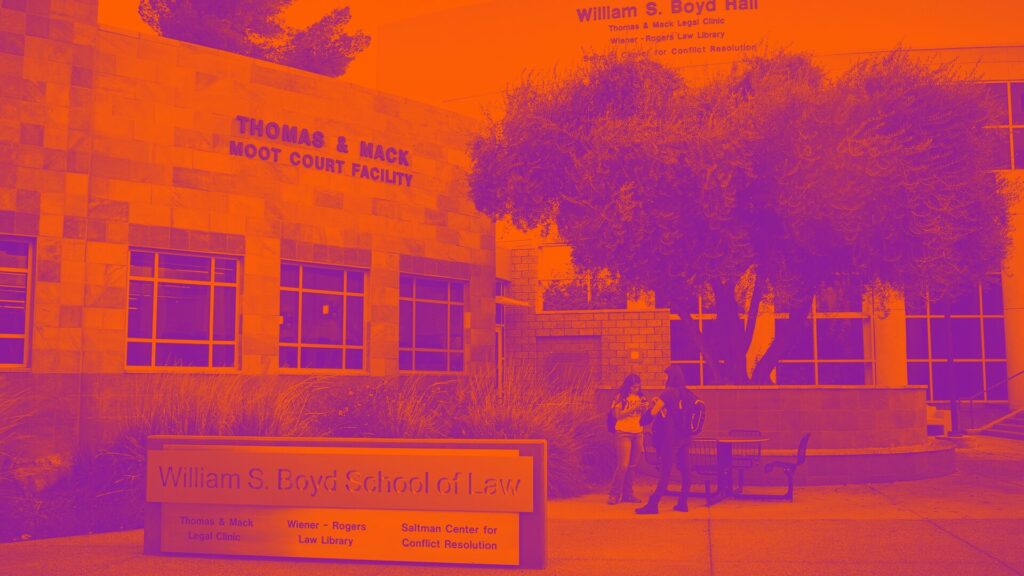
point(563, 289)
point(431, 320)
point(1008, 131)
point(683, 332)
point(831, 346)
point(182, 310)
point(959, 346)
point(15, 273)
point(321, 317)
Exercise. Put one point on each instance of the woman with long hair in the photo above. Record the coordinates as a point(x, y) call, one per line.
point(628, 405)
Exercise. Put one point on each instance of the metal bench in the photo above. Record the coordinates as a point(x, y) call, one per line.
point(789, 468)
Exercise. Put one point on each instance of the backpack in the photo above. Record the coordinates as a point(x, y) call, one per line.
point(609, 419)
point(689, 418)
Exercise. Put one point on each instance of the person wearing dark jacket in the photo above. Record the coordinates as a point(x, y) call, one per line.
point(671, 413)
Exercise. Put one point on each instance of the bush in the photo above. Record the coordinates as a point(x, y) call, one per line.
point(394, 407)
point(16, 410)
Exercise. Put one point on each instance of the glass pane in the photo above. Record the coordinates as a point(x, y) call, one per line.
point(968, 376)
point(140, 310)
point(999, 143)
point(142, 264)
point(941, 381)
point(226, 270)
point(917, 373)
point(1017, 103)
point(12, 351)
point(432, 361)
point(995, 339)
point(139, 354)
point(431, 326)
point(431, 289)
point(915, 304)
point(289, 316)
point(917, 338)
point(841, 338)
point(354, 358)
point(844, 373)
point(405, 286)
point(691, 372)
point(964, 380)
point(992, 295)
point(182, 267)
point(682, 343)
point(290, 275)
point(839, 299)
point(223, 355)
point(355, 281)
point(457, 292)
point(321, 319)
point(288, 357)
point(13, 254)
point(183, 313)
point(405, 321)
point(966, 338)
point(798, 338)
point(182, 354)
point(455, 325)
point(799, 373)
point(327, 358)
point(323, 278)
point(499, 314)
point(13, 279)
point(12, 310)
point(941, 338)
point(997, 95)
point(404, 360)
point(1018, 148)
point(354, 321)
point(966, 302)
point(223, 313)
point(456, 361)
point(995, 374)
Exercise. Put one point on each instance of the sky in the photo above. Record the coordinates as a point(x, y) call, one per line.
point(462, 54)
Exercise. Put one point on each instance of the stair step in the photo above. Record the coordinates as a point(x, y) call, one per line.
point(1002, 434)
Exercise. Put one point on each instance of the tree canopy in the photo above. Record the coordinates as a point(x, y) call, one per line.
point(772, 182)
point(256, 28)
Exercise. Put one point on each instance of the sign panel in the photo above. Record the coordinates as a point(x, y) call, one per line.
point(350, 533)
point(457, 502)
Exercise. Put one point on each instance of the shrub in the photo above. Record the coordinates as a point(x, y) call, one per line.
point(394, 407)
point(16, 410)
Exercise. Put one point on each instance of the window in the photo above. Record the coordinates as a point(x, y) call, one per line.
point(562, 288)
point(431, 316)
point(15, 272)
point(970, 331)
point(182, 310)
point(828, 347)
point(683, 346)
point(1007, 133)
point(321, 317)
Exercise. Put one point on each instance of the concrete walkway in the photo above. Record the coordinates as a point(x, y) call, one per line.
point(969, 523)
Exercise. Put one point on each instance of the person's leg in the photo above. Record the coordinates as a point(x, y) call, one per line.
point(621, 465)
point(683, 463)
point(635, 452)
point(666, 457)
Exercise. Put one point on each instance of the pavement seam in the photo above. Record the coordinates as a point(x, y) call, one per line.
point(711, 557)
point(939, 527)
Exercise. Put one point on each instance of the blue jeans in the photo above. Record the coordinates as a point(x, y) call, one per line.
point(628, 449)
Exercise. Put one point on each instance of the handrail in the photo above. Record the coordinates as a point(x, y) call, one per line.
point(971, 399)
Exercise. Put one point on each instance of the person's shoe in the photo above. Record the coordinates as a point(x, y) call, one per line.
point(631, 499)
point(612, 500)
point(648, 509)
point(681, 507)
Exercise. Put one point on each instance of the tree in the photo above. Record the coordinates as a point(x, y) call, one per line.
point(771, 183)
point(255, 28)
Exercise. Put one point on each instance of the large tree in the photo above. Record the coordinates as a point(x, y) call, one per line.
point(256, 28)
point(771, 183)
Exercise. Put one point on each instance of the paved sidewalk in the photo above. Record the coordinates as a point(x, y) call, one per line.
point(969, 523)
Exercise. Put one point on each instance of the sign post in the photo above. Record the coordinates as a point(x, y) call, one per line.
point(432, 501)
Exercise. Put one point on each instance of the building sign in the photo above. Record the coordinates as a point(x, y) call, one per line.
point(458, 502)
point(671, 27)
point(269, 140)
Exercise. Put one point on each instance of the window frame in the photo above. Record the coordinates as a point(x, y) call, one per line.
point(447, 351)
point(344, 347)
point(29, 272)
point(155, 281)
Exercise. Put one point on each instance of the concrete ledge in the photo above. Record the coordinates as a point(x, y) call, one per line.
point(932, 459)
